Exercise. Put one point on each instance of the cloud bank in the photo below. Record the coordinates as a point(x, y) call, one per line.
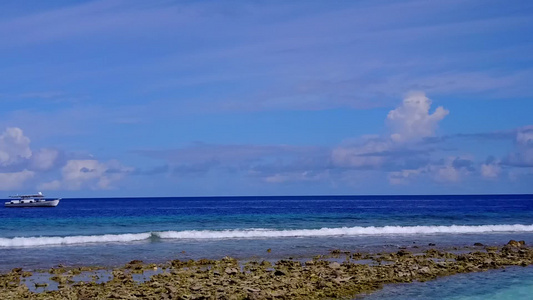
point(411, 153)
point(24, 168)
point(14, 147)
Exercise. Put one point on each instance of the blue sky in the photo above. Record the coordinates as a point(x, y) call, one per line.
point(194, 98)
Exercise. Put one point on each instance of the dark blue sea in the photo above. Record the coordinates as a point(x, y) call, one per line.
point(113, 231)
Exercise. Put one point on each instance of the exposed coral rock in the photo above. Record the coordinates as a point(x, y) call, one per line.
point(286, 279)
point(513, 243)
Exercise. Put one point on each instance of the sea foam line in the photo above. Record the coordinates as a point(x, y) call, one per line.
point(349, 231)
point(69, 240)
point(262, 233)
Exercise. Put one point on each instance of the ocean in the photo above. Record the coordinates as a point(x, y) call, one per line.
point(114, 231)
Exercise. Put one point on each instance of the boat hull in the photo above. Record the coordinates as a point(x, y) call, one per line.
point(46, 203)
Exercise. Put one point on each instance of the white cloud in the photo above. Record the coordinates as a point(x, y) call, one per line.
point(438, 173)
point(453, 169)
point(52, 185)
point(490, 170)
point(445, 174)
point(20, 164)
point(412, 119)
point(364, 155)
point(44, 159)
point(409, 122)
point(523, 157)
point(14, 146)
point(525, 136)
point(88, 173)
point(296, 177)
point(403, 176)
point(15, 149)
point(14, 180)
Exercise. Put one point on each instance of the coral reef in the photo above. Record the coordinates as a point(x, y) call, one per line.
point(339, 275)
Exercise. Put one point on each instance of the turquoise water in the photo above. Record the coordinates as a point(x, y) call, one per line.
point(514, 283)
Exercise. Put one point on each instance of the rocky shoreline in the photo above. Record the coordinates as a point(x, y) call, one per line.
point(338, 275)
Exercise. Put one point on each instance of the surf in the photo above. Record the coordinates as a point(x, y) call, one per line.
point(258, 233)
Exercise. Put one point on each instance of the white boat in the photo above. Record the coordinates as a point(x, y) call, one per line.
point(36, 200)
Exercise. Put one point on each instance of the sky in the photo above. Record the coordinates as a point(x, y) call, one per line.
point(235, 98)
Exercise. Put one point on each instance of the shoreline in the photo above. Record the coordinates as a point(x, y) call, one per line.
point(338, 275)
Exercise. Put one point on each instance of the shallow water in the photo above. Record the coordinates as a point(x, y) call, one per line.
point(512, 283)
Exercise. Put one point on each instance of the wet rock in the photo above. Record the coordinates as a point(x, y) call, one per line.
point(135, 265)
point(341, 280)
point(117, 296)
point(40, 284)
point(252, 290)
point(334, 265)
point(205, 262)
point(403, 253)
point(266, 264)
point(231, 271)
point(491, 249)
point(26, 274)
point(57, 271)
point(478, 244)
point(310, 263)
point(316, 279)
point(434, 253)
point(357, 255)
point(515, 244)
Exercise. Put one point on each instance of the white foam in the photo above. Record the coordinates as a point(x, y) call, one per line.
point(346, 231)
point(68, 240)
point(261, 233)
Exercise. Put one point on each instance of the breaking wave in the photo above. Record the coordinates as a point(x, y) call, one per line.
point(69, 240)
point(261, 233)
